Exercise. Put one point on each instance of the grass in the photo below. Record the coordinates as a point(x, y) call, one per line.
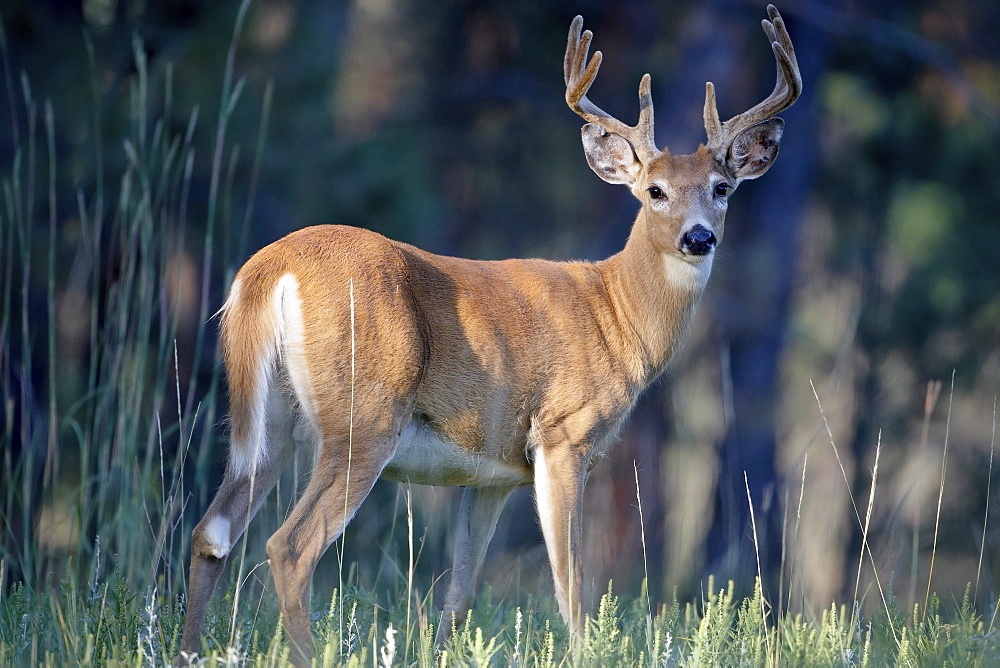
point(117, 621)
point(110, 451)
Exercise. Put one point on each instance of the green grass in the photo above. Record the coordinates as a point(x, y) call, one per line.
point(117, 621)
point(118, 450)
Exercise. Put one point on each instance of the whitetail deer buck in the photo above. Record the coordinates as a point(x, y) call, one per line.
point(393, 362)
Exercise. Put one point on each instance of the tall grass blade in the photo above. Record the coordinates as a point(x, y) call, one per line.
point(986, 514)
point(760, 575)
point(868, 516)
point(944, 470)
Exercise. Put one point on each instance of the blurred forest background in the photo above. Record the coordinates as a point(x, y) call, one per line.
point(863, 269)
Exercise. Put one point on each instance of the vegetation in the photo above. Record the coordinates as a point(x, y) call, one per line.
point(129, 194)
point(114, 621)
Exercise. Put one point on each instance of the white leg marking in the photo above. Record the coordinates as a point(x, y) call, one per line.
point(543, 499)
point(217, 536)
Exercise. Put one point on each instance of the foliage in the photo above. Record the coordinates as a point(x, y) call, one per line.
point(121, 626)
point(137, 176)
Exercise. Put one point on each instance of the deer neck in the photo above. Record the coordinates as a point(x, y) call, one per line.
point(653, 293)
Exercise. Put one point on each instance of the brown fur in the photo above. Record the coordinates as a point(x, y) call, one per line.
point(416, 366)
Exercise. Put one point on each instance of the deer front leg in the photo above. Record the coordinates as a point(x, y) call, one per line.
point(478, 513)
point(560, 474)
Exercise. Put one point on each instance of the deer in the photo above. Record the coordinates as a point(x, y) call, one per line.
point(391, 362)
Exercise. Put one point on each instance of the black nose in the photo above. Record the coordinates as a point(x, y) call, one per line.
point(699, 240)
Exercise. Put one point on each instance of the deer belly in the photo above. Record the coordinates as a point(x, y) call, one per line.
point(425, 457)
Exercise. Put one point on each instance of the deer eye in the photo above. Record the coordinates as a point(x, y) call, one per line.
point(721, 189)
point(655, 192)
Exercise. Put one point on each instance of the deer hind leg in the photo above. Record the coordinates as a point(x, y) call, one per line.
point(237, 501)
point(478, 512)
point(560, 474)
point(345, 472)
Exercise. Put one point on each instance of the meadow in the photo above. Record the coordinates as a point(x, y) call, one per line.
point(113, 436)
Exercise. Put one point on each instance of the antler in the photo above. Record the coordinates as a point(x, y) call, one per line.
point(786, 90)
point(578, 81)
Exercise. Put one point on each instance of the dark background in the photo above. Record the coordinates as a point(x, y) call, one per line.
point(865, 264)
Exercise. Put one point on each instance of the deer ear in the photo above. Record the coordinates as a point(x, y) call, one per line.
point(754, 149)
point(610, 155)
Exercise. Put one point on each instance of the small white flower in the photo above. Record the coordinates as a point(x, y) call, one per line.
point(388, 650)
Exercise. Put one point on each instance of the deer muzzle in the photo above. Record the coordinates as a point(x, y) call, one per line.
point(698, 241)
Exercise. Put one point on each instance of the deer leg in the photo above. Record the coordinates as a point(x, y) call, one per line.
point(478, 512)
point(237, 501)
point(560, 474)
point(338, 486)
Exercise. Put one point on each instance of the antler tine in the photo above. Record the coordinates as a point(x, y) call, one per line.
point(787, 88)
point(645, 124)
point(713, 128)
point(579, 76)
point(577, 46)
point(777, 32)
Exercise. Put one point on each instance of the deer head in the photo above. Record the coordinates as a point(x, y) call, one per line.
point(684, 197)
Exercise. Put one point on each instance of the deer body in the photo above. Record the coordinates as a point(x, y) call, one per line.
point(474, 357)
point(393, 362)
